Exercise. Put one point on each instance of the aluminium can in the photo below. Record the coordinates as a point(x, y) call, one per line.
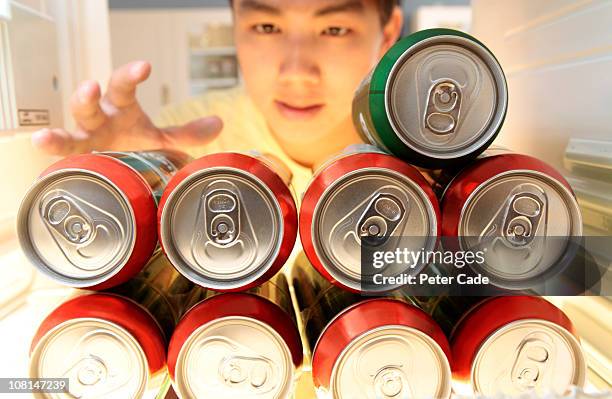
point(364, 199)
point(516, 345)
point(437, 98)
point(228, 221)
point(107, 346)
point(162, 290)
point(89, 220)
point(375, 348)
point(237, 345)
point(519, 211)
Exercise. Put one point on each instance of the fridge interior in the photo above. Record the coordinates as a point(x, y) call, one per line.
point(557, 55)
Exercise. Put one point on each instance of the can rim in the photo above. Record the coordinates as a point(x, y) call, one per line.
point(579, 371)
point(31, 253)
point(396, 311)
point(174, 256)
point(567, 197)
point(446, 384)
point(378, 92)
point(178, 382)
point(336, 317)
point(320, 252)
point(501, 90)
point(43, 341)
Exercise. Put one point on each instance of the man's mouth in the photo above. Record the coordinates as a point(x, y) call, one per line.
point(290, 111)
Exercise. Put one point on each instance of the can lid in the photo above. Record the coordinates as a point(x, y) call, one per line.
point(222, 228)
point(77, 227)
point(393, 361)
point(234, 357)
point(99, 358)
point(446, 96)
point(524, 221)
point(380, 206)
point(528, 355)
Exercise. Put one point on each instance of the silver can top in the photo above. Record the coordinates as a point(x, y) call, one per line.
point(394, 362)
point(99, 359)
point(77, 227)
point(446, 96)
point(222, 228)
point(234, 357)
point(528, 355)
point(378, 207)
point(523, 221)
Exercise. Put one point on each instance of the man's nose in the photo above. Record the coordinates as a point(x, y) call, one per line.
point(299, 65)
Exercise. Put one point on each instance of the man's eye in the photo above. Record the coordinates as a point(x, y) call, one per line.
point(336, 31)
point(266, 29)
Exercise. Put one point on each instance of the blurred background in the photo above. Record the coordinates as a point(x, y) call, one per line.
point(557, 55)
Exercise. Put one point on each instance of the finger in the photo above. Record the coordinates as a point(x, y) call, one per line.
point(85, 106)
point(122, 85)
point(60, 142)
point(198, 132)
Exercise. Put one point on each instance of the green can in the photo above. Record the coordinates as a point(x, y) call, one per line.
point(436, 99)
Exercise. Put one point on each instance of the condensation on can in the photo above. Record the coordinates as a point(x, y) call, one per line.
point(228, 221)
point(105, 345)
point(89, 221)
point(448, 114)
point(365, 195)
point(237, 345)
point(520, 212)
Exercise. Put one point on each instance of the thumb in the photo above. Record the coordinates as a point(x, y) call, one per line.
point(198, 132)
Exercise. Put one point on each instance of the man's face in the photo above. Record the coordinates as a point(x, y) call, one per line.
point(303, 59)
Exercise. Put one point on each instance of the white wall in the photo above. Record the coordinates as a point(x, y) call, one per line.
point(557, 55)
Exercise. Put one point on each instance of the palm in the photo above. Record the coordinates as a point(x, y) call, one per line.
point(116, 121)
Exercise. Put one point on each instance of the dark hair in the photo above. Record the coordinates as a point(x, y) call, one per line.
point(384, 6)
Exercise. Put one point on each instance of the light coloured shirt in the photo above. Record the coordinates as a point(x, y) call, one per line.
point(244, 129)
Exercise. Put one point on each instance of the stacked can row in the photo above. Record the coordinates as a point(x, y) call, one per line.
point(228, 221)
point(247, 344)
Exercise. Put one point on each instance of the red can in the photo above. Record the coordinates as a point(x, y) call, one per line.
point(519, 211)
point(382, 348)
point(514, 345)
point(90, 220)
point(237, 345)
point(103, 344)
point(367, 197)
point(228, 221)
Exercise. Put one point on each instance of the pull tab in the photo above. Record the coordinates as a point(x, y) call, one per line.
point(372, 222)
point(233, 366)
point(88, 236)
point(384, 367)
point(391, 382)
point(443, 107)
point(224, 240)
point(99, 365)
point(87, 374)
point(246, 373)
point(380, 219)
point(63, 215)
point(522, 218)
point(533, 358)
point(223, 216)
point(516, 235)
